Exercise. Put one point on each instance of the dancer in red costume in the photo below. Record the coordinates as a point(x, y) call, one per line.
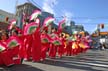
point(36, 45)
point(15, 50)
point(75, 46)
point(5, 56)
point(69, 46)
point(45, 39)
point(65, 44)
point(33, 40)
point(61, 47)
point(87, 40)
point(28, 46)
point(25, 49)
point(53, 47)
point(28, 39)
point(22, 50)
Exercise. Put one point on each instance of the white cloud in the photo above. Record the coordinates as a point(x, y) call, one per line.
point(68, 15)
point(48, 6)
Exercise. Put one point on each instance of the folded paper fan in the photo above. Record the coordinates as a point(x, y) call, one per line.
point(2, 47)
point(82, 45)
point(12, 23)
point(48, 21)
point(56, 42)
point(35, 14)
point(13, 42)
point(62, 24)
point(45, 40)
point(30, 28)
point(74, 46)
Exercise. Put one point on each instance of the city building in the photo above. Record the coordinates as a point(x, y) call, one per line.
point(73, 27)
point(100, 37)
point(26, 8)
point(5, 17)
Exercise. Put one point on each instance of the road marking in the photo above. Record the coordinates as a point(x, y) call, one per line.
point(96, 64)
point(87, 63)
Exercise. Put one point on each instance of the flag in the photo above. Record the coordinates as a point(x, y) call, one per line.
point(30, 28)
point(35, 14)
point(13, 42)
point(48, 21)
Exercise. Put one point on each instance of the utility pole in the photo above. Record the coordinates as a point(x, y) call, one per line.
point(98, 32)
point(98, 29)
point(16, 6)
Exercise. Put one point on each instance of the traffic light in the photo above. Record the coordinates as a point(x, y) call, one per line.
point(101, 26)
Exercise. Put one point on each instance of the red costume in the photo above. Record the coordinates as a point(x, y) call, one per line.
point(28, 46)
point(69, 48)
point(61, 48)
point(53, 47)
point(14, 51)
point(45, 45)
point(5, 56)
point(36, 45)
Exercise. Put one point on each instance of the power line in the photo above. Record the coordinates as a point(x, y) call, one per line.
point(37, 5)
point(33, 2)
point(57, 11)
point(29, 1)
point(84, 17)
point(60, 17)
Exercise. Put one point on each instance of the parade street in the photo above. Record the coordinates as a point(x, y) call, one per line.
point(93, 60)
point(53, 35)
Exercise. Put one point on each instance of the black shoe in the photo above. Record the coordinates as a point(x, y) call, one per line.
point(22, 60)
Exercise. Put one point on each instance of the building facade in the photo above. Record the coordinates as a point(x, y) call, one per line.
point(73, 27)
point(100, 37)
point(5, 17)
point(26, 8)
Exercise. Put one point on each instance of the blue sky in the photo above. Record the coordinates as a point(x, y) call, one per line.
point(86, 12)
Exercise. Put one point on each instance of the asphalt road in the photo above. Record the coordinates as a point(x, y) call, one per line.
point(93, 60)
